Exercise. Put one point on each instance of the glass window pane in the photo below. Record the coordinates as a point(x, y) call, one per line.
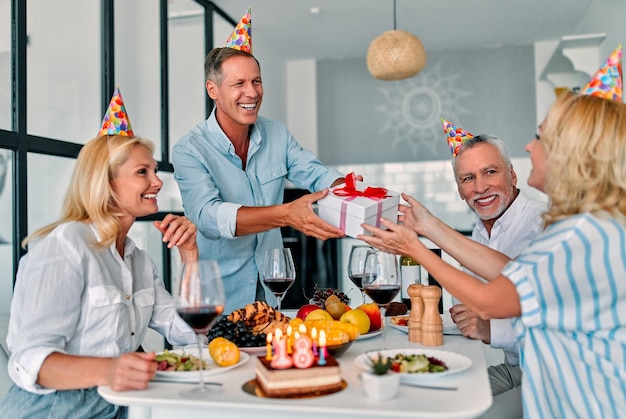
point(169, 197)
point(137, 65)
point(5, 64)
point(222, 29)
point(6, 234)
point(149, 238)
point(48, 180)
point(186, 67)
point(63, 72)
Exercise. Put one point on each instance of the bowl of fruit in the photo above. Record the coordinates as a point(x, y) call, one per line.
point(338, 350)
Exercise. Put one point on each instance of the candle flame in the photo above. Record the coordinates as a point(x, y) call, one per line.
point(296, 335)
point(269, 338)
point(322, 338)
point(279, 334)
point(302, 329)
point(289, 330)
point(314, 333)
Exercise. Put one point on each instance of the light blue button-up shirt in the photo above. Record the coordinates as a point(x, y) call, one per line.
point(214, 186)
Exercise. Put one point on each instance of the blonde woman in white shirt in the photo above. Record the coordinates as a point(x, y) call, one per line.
point(85, 295)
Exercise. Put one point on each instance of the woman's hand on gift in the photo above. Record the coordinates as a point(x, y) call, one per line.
point(396, 239)
point(414, 216)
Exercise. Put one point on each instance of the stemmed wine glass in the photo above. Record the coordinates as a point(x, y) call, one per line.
point(381, 281)
point(356, 263)
point(279, 272)
point(199, 298)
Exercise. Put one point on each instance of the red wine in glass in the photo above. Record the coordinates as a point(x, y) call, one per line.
point(357, 280)
point(278, 285)
point(356, 263)
point(279, 272)
point(382, 294)
point(381, 281)
point(199, 299)
point(200, 319)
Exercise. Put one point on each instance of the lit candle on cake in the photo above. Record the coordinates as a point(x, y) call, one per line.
point(322, 350)
point(302, 354)
point(280, 360)
point(268, 354)
point(289, 339)
point(314, 340)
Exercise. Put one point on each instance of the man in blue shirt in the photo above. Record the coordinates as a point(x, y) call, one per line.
point(231, 170)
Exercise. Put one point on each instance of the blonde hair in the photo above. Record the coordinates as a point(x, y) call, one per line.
point(585, 142)
point(90, 198)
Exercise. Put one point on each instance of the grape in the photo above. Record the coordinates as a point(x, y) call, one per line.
point(321, 294)
point(238, 333)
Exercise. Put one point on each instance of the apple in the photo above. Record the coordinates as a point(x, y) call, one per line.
point(318, 314)
point(357, 317)
point(372, 310)
point(306, 309)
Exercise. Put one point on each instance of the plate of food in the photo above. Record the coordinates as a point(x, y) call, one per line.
point(369, 335)
point(417, 365)
point(400, 322)
point(181, 365)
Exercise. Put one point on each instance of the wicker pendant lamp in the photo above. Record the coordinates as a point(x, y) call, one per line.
point(396, 54)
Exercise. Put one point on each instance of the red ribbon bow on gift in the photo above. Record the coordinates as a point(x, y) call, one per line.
point(350, 189)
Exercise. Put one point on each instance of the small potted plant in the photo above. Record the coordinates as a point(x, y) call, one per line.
point(380, 383)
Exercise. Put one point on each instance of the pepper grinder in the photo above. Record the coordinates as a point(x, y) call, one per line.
point(417, 311)
point(432, 324)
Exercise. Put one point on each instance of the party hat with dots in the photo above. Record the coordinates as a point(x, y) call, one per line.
point(455, 136)
point(607, 82)
point(241, 38)
point(115, 121)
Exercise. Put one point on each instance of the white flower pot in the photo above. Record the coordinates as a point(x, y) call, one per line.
point(380, 387)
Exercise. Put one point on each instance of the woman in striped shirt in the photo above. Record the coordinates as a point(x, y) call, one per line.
point(568, 289)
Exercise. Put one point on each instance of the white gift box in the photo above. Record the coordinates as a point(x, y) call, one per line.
point(349, 212)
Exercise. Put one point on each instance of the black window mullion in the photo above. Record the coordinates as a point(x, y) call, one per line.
point(108, 52)
point(19, 121)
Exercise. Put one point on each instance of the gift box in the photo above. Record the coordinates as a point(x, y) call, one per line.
point(349, 205)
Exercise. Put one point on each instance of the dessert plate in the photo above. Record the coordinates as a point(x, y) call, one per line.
point(455, 363)
point(370, 334)
point(192, 376)
point(253, 388)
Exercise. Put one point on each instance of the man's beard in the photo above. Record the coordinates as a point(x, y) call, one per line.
point(493, 213)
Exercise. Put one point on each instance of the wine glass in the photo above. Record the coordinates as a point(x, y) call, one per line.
point(279, 272)
point(381, 281)
point(356, 263)
point(199, 298)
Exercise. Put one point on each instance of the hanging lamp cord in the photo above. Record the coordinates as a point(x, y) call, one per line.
point(394, 15)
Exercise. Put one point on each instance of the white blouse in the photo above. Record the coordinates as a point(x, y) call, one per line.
point(72, 297)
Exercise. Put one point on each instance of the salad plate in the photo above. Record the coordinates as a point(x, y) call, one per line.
point(192, 376)
point(455, 362)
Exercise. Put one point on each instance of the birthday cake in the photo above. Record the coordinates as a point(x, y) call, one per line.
point(295, 382)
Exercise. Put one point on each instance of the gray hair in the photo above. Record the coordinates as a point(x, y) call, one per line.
point(487, 139)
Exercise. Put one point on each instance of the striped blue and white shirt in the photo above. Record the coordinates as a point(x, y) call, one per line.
point(572, 287)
